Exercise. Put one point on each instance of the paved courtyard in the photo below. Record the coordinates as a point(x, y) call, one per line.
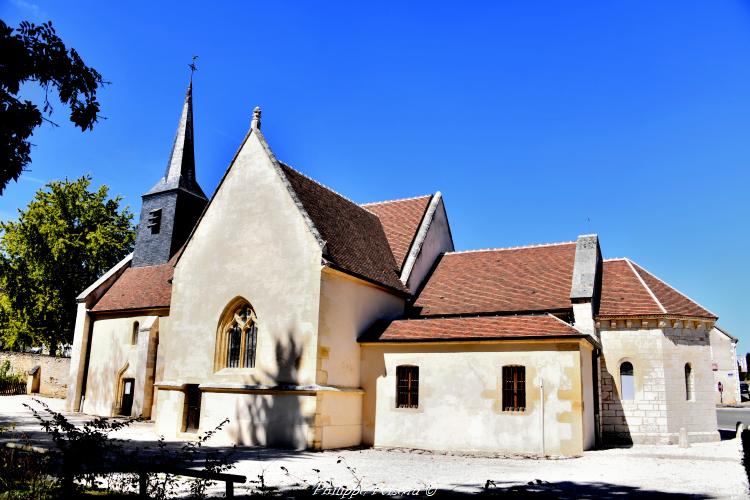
point(710, 470)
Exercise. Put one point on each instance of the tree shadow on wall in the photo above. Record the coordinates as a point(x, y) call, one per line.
point(272, 416)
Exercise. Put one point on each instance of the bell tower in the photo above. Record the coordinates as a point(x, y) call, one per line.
point(171, 208)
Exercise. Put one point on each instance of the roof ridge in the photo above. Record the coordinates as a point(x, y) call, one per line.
point(318, 183)
point(673, 288)
point(538, 245)
point(611, 259)
point(648, 288)
point(395, 200)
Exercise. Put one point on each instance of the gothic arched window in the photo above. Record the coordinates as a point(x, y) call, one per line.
point(237, 337)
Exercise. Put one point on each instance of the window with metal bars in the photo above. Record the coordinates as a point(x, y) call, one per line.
point(407, 387)
point(514, 388)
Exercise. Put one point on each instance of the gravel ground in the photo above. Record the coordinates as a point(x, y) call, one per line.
point(706, 470)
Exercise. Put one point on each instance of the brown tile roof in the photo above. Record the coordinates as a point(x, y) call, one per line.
point(535, 278)
point(470, 328)
point(400, 220)
point(355, 240)
point(630, 290)
point(147, 287)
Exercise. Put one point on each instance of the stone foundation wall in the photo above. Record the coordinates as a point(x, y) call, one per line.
point(54, 371)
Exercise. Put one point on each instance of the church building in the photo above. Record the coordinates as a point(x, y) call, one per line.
point(314, 322)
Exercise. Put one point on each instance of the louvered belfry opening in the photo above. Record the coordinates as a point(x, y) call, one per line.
point(407, 387)
point(514, 388)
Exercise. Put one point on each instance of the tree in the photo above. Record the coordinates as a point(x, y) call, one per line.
point(33, 53)
point(66, 238)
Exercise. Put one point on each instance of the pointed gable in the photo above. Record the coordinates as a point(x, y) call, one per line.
point(534, 278)
point(400, 220)
point(355, 241)
point(630, 290)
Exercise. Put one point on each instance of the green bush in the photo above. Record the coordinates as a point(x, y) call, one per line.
point(7, 376)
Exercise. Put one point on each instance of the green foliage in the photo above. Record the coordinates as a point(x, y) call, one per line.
point(8, 376)
point(87, 453)
point(33, 53)
point(66, 238)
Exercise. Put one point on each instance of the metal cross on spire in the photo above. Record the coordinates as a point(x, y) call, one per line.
point(193, 67)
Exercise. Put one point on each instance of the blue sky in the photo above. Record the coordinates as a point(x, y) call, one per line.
point(538, 121)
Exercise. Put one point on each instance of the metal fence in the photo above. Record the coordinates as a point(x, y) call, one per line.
point(12, 387)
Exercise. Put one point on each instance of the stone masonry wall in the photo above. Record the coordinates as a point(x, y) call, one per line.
point(658, 351)
point(54, 371)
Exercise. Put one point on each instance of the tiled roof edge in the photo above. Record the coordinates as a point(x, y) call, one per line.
point(674, 289)
point(416, 245)
point(644, 285)
point(104, 277)
point(364, 205)
point(539, 245)
point(318, 183)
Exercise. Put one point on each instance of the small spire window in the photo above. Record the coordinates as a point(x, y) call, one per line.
point(154, 221)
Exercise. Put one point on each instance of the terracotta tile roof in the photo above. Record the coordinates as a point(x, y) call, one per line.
point(630, 290)
point(147, 287)
point(139, 288)
point(469, 328)
point(535, 278)
point(355, 240)
point(400, 220)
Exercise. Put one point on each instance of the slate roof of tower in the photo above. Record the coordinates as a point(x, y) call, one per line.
point(401, 220)
point(470, 328)
point(354, 238)
point(180, 171)
point(536, 278)
point(630, 290)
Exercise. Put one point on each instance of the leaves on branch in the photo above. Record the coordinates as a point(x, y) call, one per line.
point(63, 241)
point(32, 53)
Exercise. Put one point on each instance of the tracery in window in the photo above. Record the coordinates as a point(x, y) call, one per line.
point(237, 338)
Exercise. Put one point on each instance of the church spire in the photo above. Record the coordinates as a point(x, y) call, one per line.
point(180, 172)
point(173, 206)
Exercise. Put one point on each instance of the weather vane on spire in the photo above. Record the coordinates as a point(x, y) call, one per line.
point(193, 67)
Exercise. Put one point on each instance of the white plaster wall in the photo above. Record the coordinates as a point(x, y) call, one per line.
point(437, 241)
point(723, 354)
point(111, 351)
point(338, 419)
point(253, 243)
point(275, 420)
point(460, 398)
point(347, 308)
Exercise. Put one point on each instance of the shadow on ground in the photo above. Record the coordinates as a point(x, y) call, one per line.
point(536, 489)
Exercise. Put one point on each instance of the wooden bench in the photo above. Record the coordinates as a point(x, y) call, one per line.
point(143, 472)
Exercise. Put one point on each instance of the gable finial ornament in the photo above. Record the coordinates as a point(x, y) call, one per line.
point(255, 123)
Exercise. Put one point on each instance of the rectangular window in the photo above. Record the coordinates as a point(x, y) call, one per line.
point(514, 388)
point(407, 387)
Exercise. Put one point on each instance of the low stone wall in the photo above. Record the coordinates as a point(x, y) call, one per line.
point(54, 371)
